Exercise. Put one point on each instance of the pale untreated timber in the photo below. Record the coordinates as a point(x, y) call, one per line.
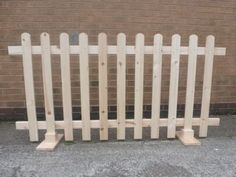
point(173, 91)
point(47, 82)
point(191, 77)
point(66, 85)
point(103, 95)
point(138, 92)
point(84, 86)
point(121, 85)
point(112, 49)
point(50, 145)
point(51, 138)
point(129, 123)
point(186, 135)
point(29, 86)
point(156, 86)
point(207, 82)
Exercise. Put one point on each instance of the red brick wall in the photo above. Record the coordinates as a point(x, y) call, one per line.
point(202, 17)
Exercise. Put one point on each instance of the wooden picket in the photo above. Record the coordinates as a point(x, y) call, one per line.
point(102, 72)
point(84, 86)
point(121, 85)
point(206, 94)
point(186, 135)
point(83, 50)
point(66, 86)
point(173, 91)
point(29, 86)
point(156, 86)
point(138, 93)
point(51, 137)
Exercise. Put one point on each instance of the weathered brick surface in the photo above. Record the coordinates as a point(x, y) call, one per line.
point(185, 17)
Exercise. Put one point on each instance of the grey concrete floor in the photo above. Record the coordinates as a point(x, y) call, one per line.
point(216, 157)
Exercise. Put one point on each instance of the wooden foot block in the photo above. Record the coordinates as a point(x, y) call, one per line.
point(187, 138)
point(49, 145)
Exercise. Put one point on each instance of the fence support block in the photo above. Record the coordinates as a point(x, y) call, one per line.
point(50, 142)
point(186, 136)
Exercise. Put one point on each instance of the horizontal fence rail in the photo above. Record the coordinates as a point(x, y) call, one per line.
point(111, 49)
point(83, 50)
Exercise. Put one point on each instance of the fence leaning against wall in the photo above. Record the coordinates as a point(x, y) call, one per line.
point(83, 49)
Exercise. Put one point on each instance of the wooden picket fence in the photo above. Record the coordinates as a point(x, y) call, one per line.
point(52, 138)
